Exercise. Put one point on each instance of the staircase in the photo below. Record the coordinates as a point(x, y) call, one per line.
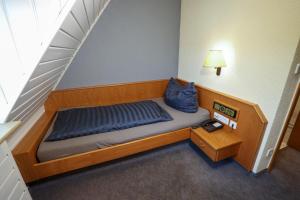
point(41, 39)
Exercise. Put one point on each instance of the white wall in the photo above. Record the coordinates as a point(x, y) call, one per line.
point(288, 94)
point(259, 39)
point(140, 36)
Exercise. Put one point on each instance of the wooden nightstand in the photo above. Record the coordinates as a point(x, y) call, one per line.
point(217, 145)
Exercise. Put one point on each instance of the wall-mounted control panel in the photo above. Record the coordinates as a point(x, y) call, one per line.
point(232, 124)
point(225, 109)
point(226, 114)
point(221, 118)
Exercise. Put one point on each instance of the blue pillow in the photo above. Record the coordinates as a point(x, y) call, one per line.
point(182, 98)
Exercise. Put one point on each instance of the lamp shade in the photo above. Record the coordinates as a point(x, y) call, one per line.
point(215, 58)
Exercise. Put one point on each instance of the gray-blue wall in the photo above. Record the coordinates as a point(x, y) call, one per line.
point(134, 40)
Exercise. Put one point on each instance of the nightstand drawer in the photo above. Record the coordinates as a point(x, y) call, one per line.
point(218, 145)
point(227, 152)
point(210, 152)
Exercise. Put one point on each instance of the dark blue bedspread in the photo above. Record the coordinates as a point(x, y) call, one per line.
point(86, 121)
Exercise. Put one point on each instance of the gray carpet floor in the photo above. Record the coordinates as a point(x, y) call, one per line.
point(174, 172)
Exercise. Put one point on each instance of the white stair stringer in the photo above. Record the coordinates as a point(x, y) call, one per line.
point(57, 57)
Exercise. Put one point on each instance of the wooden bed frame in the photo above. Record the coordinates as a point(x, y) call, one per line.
point(32, 170)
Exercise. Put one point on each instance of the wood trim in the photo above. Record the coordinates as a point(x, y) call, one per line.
point(25, 152)
point(110, 85)
point(260, 114)
point(285, 127)
point(33, 138)
point(38, 171)
point(294, 139)
point(105, 95)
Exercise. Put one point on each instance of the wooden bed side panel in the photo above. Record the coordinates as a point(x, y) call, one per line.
point(78, 161)
point(25, 152)
point(33, 138)
point(105, 95)
point(251, 123)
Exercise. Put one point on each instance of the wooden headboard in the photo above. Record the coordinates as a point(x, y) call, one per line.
point(105, 95)
point(251, 122)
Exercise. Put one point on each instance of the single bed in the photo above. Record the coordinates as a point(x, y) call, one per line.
point(110, 149)
point(57, 149)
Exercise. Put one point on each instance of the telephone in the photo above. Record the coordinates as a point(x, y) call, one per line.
point(210, 125)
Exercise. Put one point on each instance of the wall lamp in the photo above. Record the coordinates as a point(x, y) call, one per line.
point(215, 58)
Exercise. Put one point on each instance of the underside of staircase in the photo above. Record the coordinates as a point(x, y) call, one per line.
point(53, 48)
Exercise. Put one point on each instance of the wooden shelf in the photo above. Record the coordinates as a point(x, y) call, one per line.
point(217, 145)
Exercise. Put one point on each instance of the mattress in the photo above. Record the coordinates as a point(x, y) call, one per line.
point(57, 149)
point(78, 122)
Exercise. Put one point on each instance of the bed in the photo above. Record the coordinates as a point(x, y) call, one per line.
point(31, 153)
point(50, 150)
